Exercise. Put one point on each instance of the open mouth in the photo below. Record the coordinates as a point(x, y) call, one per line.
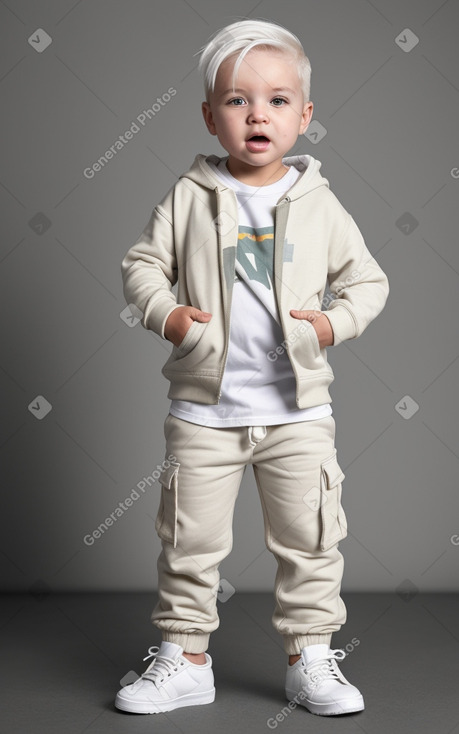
point(257, 143)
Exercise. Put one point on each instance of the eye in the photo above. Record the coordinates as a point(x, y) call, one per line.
point(278, 101)
point(236, 101)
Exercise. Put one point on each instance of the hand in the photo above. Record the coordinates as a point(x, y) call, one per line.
point(320, 323)
point(180, 320)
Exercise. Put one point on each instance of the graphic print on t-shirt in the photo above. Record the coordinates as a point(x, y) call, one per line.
point(255, 253)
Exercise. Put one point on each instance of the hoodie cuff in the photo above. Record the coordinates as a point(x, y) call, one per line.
point(155, 320)
point(342, 323)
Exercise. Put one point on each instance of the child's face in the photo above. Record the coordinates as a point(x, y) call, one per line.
point(268, 101)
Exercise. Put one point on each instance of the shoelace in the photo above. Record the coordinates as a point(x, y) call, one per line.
point(324, 668)
point(161, 667)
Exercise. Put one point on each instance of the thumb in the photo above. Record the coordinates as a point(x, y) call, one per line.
point(198, 315)
point(307, 315)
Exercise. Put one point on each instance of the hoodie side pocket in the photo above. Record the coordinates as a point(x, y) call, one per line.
point(314, 339)
point(191, 338)
point(334, 523)
point(166, 519)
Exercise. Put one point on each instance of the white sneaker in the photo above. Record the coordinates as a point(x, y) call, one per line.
point(170, 682)
point(316, 682)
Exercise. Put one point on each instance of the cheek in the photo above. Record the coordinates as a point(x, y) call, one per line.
point(227, 129)
point(290, 133)
point(222, 123)
point(294, 116)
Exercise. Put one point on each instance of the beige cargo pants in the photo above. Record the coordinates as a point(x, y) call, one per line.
point(299, 483)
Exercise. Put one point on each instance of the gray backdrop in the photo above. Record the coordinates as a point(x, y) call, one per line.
point(74, 77)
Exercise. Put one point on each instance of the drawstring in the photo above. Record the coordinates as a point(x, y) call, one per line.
point(256, 434)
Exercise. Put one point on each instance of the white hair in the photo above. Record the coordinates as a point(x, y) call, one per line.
point(243, 36)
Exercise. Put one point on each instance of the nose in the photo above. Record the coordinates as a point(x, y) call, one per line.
point(258, 114)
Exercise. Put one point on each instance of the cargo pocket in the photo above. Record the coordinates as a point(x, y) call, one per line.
point(334, 523)
point(166, 519)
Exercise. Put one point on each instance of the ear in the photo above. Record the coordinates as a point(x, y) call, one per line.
point(306, 117)
point(208, 118)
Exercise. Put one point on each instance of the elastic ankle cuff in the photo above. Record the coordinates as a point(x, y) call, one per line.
point(190, 643)
point(293, 644)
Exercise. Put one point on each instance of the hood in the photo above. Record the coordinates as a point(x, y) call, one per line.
point(202, 174)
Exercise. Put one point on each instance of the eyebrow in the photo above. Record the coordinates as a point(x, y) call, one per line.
point(274, 89)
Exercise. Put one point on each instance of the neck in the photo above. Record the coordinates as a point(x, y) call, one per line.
point(256, 175)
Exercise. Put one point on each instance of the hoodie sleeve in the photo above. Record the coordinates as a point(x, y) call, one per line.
point(149, 271)
point(359, 286)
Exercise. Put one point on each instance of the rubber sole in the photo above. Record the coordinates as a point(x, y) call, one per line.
point(328, 709)
point(147, 707)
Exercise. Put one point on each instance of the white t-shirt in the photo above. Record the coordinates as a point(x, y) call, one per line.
point(257, 389)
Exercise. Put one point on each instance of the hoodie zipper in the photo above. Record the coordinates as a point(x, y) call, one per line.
point(226, 301)
point(281, 216)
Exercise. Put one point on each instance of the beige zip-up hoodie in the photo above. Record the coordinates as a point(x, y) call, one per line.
point(191, 240)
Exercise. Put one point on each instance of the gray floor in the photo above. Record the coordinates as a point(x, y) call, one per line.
point(62, 658)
